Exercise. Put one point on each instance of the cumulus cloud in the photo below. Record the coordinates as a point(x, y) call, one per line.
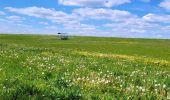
point(101, 13)
point(14, 18)
point(138, 29)
point(157, 18)
point(146, 1)
point(148, 26)
point(80, 26)
point(93, 3)
point(165, 4)
point(53, 15)
point(121, 23)
point(68, 21)
point(2, 13)
point(43, 23)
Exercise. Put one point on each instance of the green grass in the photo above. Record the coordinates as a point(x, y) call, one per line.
point(87, 68)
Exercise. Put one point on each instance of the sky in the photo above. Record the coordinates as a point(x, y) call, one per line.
point(108, 18)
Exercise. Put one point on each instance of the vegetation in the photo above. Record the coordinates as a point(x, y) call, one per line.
point(86, 68)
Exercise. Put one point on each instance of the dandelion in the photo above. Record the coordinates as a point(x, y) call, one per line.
point(140, 88)
point(164, 86)
point(143, 90)
point(168, 96)
point(78, 78)
point(156, 90)
point(93, 81)
point(157, 85)
point(107, 81)
point(4, 87)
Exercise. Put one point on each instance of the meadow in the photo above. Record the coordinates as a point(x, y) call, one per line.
point(83, 68)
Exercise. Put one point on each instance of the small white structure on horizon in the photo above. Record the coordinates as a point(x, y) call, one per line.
point(63, 36)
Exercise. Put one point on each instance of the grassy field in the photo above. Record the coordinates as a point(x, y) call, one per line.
point(86, 68)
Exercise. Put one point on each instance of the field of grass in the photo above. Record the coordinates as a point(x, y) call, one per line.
point(87, 68)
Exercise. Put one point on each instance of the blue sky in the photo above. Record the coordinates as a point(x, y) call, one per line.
point(115, 18)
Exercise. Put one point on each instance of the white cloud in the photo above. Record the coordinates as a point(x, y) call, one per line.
point(142, 29)
point(2, 20)
point(157, 18)
point(119, 23)
point(93, 3)
point(14, 18)
point(165, 4)
point(2, 13)
point(80, 26)
point(101, 13)
point(14, 28)
point(146, 1)
point(43, 23)
point(50, 14)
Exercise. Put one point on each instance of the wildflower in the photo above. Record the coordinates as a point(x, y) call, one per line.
point(164, 86)
point(4, 87)
point(143, 90)
point(168, 96)
point(157, 85)
point(140, 88)
point(93, 81)
point(78, 78)
point(107, 81)
point(128, 89)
